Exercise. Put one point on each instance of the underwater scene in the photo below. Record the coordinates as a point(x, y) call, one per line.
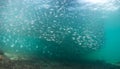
point(59, 34)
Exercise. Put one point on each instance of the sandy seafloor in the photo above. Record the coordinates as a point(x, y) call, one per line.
point(6, 63)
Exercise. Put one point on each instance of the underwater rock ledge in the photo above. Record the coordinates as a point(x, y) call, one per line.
point(7, 63)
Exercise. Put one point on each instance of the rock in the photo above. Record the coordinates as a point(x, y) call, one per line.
point(1, 58)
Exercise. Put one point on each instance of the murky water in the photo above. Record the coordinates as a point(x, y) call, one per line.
point(60, 29)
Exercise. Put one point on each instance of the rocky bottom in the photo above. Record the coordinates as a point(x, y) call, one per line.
point(46, 64)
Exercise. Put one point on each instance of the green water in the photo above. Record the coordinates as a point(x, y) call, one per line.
point(61, 29)
point(112, 29)
point(110, 52)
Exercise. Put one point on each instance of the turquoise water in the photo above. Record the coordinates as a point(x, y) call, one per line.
point(110, 52)
point(60, 29)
